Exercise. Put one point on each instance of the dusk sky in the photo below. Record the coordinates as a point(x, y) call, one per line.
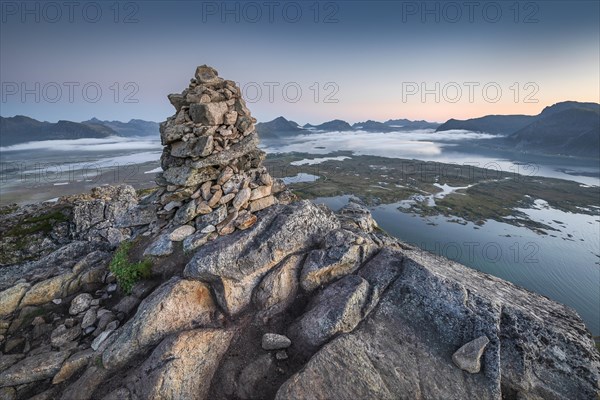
point(351, 60)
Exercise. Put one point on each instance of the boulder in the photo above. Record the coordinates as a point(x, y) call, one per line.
point(213, 218)
point(170, 133)
point(337, 309)
point(404, 347)
point(33, 368)
point(260, 192)
point(182, 365)
point(177, 100)
point(47, 290)
point(11, 297)
point(245, 220)
point(194, 241)
point(241, 198)
point(261, 204)
point(341, 257)
point(102, 337)
point(72, 365)
point(215, 198)
point(355, 216)
point(277, 291)
point(89, 318)
point(176, 305)
point(235, 264)
point(85, 386)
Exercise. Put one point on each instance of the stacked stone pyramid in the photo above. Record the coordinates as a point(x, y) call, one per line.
point(213, 175)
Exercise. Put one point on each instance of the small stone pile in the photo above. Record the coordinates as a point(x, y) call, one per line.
point(213, 175)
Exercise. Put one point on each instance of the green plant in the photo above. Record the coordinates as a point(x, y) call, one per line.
point(8, 209)
point(126, 272)
point(43, 223)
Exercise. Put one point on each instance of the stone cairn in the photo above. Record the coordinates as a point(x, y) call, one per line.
point(213, 176)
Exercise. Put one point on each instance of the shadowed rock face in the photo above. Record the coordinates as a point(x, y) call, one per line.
point(175, 306)
point(367, 316)
point(385, 323)
point(404, 348)
point(280, 232)
point(181, 366)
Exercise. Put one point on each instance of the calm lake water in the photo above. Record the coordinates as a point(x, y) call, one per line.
point(563, 268)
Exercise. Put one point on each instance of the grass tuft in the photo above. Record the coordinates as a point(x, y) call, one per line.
point(126, 272)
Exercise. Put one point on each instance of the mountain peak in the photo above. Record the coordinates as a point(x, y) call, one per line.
point(565, 105)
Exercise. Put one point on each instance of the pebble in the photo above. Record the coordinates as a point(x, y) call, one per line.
point(273, 341)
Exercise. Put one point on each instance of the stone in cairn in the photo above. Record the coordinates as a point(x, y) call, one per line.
point(213, 175)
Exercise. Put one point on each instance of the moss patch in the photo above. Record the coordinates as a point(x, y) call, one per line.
point(9, 209)
point(42, 223)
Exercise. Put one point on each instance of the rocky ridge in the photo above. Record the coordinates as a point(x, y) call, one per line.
point(302, 303)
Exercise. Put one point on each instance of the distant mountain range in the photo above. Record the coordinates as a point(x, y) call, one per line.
point(494, 124)
point(21, 129)
point(573, 131)
point(335, 125)
point(135, 127)
point(567, 128)
point(280, 127)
